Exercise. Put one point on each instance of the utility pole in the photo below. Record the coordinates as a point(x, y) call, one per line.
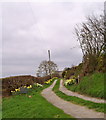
point(49, 54)
point(49, 62)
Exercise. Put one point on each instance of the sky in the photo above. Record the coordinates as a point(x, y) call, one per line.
point(30, 29)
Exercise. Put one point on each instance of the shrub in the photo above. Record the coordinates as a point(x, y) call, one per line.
point(70, 82)
point(11, 83)
point(50, 80)
point(38, 85)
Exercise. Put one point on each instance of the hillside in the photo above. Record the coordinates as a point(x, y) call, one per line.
point(91, 85)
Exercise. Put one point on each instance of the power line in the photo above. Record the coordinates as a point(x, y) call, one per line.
point(34, 17)
point(77, 46)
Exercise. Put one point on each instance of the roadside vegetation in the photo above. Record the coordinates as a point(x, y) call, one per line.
point(91, 105)
point(90, 74)
point(31, 105)
point(91, 85)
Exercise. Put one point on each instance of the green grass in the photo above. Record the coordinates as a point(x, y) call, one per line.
point(0, 110)
point(92, 85)
point(21, 106)
point(96, 106)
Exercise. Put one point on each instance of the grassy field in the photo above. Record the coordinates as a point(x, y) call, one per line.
point(0, 109)
point(21, 106)
point(92, 85)
point(96, 106)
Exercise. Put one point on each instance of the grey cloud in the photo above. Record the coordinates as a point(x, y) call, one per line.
point(30, 29)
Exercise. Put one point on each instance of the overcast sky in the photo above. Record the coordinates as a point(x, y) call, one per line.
point(29, 29)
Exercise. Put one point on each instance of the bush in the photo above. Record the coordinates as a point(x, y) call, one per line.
point(69, 82)
point(50, 80)
point(11, 83)
point(74, 71)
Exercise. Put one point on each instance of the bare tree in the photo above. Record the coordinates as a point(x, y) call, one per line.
point(91, 38)
point(91, 35)
point(46, 68)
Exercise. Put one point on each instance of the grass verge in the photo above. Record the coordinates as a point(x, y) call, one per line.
point(91, 85)
point(21, 106)
point(96, 106)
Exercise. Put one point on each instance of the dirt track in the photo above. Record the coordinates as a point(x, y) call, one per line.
point(70, 93)
point(74, 110)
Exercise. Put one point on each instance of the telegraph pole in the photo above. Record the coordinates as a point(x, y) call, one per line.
point(49, 62)
point(49, 54)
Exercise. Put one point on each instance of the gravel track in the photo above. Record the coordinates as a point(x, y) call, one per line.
point(74, 110)
point(70, 93)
